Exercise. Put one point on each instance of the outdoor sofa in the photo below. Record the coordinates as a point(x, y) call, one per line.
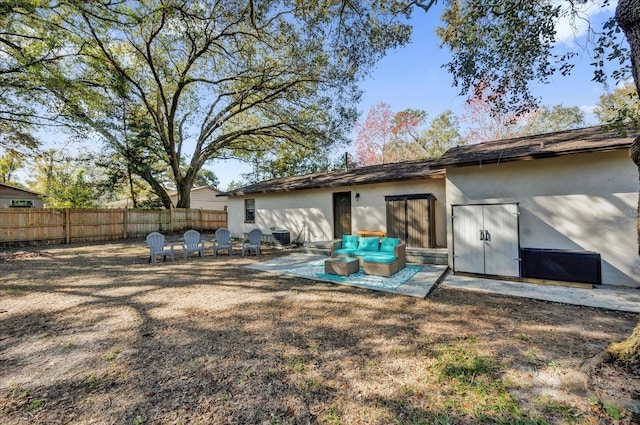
point(377, 256)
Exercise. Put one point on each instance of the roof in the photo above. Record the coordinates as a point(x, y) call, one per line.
point(590, 139)
point(381, 173)
point(21, 189)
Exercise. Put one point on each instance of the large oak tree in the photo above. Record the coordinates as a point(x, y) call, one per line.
point(211, 79)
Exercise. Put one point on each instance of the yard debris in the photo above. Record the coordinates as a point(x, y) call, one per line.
point(23, 255)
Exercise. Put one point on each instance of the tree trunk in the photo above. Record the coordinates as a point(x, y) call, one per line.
point(628, 18)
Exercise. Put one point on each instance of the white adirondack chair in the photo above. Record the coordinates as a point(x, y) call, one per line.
point(255, 237)
point(158, 247)
point(192, 243)
point(222, 241)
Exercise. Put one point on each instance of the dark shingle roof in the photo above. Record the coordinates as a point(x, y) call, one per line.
point(410, 170)
point(590, 139)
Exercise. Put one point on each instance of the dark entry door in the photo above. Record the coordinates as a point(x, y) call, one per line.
point(341, 214)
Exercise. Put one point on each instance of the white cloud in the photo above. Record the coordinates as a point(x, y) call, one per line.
point(575, 22)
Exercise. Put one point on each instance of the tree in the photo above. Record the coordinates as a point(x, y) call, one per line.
point(619, 107)
point(487, 124)
point(219, 78)
point(206, 177)
point(385, 136)
point(549, 120)
point(10, 162)
point(443, 134)
point(374, 133)
point(508, 45)
point(64, 184)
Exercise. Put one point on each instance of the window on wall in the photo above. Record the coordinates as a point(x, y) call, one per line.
point(21, 203)
point(249, 210)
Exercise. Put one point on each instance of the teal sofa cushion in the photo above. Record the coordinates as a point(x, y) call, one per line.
point(379, 258)
point(345, 251)
point(368, 244)
point(389, 244)
point(350, 241)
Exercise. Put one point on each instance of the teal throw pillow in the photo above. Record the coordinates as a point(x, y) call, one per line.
point(368, 244)
point(388, 244)
point(350, 241)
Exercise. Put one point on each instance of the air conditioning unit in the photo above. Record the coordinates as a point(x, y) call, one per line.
point(281, 237)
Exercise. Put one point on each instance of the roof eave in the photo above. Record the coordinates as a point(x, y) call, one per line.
point(539, 155)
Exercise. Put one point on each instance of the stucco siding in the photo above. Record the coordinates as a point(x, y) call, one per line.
point(309, 213)
point(578, 202)
point(206, 199)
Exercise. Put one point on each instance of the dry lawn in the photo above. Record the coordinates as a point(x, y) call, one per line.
point(92, 334)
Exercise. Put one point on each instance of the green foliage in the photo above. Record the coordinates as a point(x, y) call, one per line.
point(204, 80)
point(620, 107)
point(10, 162)
point(548, 120)
point(385, 136)
point(443, 134)
point(206, 177)
point(70, 190)
point(63, 184)
point(501, 46)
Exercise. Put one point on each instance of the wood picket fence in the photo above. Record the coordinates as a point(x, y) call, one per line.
point(48, 225)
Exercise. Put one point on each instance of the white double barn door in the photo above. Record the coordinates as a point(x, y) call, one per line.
point(485, 239)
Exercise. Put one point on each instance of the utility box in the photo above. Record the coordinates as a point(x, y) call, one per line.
point(281, 237)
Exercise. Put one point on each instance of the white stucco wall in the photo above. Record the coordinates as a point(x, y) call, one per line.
point(583, 201)
point(310, 212)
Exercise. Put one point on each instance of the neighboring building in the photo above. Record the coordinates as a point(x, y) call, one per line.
point(203, 197)
point(552, 206)
point(16, 197)
point(394, 198)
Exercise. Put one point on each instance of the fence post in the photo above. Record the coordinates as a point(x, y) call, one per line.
point(67, 226)
point(200, 217)
point(125, 222)
point(171, 219)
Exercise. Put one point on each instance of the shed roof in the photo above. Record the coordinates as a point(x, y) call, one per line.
point(10, 186)
point(590, 139)
point(382, 173)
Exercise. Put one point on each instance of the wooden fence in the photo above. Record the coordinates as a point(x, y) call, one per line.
point(46, 225)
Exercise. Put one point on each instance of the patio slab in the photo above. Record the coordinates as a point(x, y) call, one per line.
point(429, 276)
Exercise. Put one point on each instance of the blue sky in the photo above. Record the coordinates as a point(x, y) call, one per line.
point(413, 77)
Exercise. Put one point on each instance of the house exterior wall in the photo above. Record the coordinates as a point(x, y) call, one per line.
point(204, 198)
point(584, 201)
point(309, 213)
point(7, 194)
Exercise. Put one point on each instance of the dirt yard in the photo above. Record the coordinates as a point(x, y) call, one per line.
point(92, 334)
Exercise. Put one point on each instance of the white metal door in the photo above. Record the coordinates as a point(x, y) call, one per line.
point(502, 250)
point(468, 248)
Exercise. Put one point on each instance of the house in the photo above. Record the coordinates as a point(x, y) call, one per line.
point(405, 198)
point(203, 197)
point(574, 199)
point(559, 206)
point(16, 197)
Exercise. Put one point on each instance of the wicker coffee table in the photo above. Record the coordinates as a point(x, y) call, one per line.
point(343, 266)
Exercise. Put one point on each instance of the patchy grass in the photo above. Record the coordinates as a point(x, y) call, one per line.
point(94, 334)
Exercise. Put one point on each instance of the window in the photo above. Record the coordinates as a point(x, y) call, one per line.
point(21, 203)
point(249, 210)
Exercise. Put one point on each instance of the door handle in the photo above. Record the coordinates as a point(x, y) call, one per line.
point(481, 235)
point(487, 236)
